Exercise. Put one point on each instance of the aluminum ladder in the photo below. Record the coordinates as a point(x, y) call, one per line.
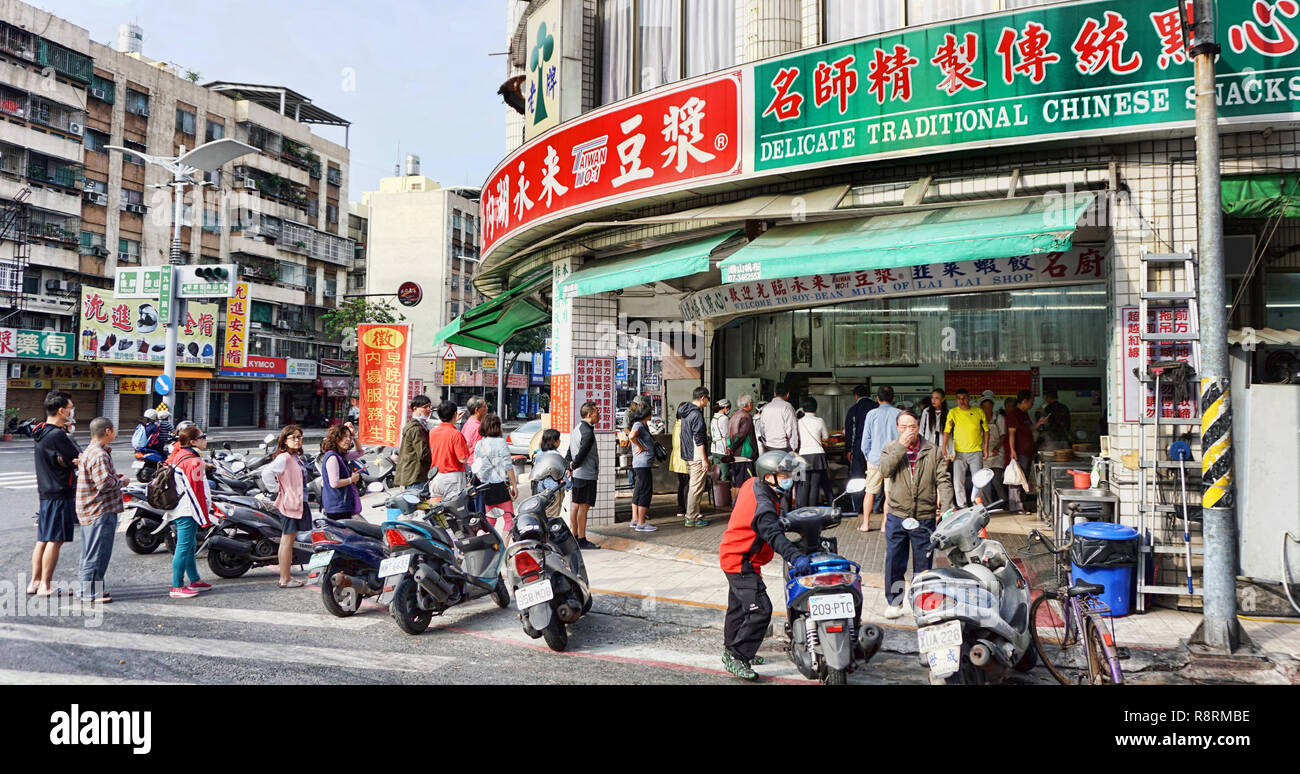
point(1153, 515)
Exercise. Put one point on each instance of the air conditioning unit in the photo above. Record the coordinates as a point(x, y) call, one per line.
point(244, 182)
point(76, 128)
point(99, 94)
point(137, 208)
point(282, 324)
point(125, 258)
point(29, 54)
point(145, 111)
point(59, 286)
point(101, 252)
point(96, 198)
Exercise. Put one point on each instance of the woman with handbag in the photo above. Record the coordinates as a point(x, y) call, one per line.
point(286, 478)
point(643, 459)
point(494, 467)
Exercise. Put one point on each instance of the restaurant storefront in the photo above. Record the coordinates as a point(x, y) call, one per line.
point(957, 204)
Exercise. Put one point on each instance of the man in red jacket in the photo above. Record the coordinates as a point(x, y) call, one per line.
point(753, 535)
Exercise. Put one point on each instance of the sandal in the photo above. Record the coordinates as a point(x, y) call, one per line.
point(292, 584)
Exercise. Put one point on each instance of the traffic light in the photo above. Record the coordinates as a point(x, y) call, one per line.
point(212, 273)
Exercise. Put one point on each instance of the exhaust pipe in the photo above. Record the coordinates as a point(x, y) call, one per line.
point(567, 614)
point(342, 580)
point(980, 655)
point(432, 582)
point(229, 545)
point(869, 641)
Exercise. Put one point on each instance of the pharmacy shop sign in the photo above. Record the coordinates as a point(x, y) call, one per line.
point(1086, 69)
point(1081, 264)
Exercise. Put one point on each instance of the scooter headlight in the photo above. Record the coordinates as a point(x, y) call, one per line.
point(820, 579)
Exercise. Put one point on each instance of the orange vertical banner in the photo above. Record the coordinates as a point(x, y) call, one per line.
point(383, 361)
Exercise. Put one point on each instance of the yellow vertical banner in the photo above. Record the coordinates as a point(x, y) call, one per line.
point(235, 350)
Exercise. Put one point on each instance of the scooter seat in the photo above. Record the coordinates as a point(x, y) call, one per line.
point(953, 573)
point(364, 528)
point(1085, 588)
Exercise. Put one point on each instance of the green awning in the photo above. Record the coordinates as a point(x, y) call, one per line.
point(997, 229)
point(491, 324)
point(1261, 196)
point(677, 260)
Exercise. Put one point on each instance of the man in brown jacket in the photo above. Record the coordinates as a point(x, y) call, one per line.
point(920, 488)
point(413, 455)
point(742, 443)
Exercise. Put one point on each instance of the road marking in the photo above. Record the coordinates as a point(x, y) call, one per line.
point(241, 615)
point(203, 647)
point(18, 677)
point(25, 486)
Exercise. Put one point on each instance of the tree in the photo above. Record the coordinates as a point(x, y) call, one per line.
point(530, 340)
point(359, 311)
point(192, 76)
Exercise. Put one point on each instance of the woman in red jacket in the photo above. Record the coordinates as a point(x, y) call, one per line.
point(193, 511)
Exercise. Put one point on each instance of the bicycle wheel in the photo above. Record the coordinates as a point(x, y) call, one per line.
point(1054, 634)
point(1100, 653)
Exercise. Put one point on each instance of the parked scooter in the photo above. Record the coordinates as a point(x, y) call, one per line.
point(24, 428)
point(430, 567)
point(346, 562)
point(245, 538)
point(544, 566)
point(149, 527)
point(972, 619)
point(824, 607)
point(146, 464)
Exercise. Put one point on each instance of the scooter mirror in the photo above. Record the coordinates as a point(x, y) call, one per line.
point(855, 485)
point(269, 439)
point(375, 486)
point(433, 471)
point(237, 465)
point(226, 446)
point(982, 478)
point(410, 499)
point(910, 524)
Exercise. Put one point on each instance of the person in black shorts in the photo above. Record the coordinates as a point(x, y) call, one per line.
point(643, 460)
point(56, 478)
point(585, 467)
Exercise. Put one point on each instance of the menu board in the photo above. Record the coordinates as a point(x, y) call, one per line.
point(1140, 402)
point(593, 380)
point(131, 331)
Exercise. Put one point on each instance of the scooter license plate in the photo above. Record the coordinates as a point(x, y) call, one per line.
point(320, 559)
point(533, 594)
point(394, 565)
point(831, 606)
point(137, 465)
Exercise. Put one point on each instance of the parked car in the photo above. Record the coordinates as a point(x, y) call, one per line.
point(519, 438)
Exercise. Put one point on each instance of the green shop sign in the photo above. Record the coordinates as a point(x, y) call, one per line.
point(1086, 69)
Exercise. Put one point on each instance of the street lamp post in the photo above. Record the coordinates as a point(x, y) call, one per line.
point(208, 157)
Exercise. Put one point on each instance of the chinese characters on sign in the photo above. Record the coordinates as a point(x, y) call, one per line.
point(593, 380)
point(383, 354)
point(1139, 398)
point(541, 86)
point(115, 330)
point(37, 345)
point(562, 402)
point(135, 385)
point(684, 134)
point(1083, 263)
point(1082, 68)
point(449, 372)
point(236, 345)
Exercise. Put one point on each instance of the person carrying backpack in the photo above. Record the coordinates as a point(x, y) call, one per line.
point(192, 509)
point(145, 437)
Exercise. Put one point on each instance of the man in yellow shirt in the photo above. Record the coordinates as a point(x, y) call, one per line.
point(969, 430)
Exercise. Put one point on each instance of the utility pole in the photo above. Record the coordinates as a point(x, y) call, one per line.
point(1219, 630)
point(174, 313)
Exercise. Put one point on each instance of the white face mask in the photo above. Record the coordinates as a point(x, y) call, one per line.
point(72, 414)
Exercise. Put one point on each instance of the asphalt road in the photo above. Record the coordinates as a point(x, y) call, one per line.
point(248, 630)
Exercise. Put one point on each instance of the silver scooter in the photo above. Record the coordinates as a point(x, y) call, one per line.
point(543, 564)
point(972, 619)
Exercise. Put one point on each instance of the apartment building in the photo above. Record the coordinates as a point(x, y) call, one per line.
point(71, 212)
point(420, 231)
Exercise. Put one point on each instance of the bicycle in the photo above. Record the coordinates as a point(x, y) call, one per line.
point(1068, 620)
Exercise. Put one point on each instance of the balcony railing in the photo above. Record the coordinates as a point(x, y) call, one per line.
point(64, 176)
point(334, 177)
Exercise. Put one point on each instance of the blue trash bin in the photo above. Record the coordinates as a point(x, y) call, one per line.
point(1106, 554)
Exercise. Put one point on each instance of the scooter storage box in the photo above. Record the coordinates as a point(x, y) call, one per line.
point(1106, 553)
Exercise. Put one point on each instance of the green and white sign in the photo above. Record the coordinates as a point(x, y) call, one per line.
point(1087, 69)
point(141, 281)
point(207, 281)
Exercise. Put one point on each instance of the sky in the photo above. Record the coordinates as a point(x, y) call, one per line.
point(424, 80)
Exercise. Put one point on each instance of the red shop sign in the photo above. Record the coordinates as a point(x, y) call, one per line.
point(1005, 383)
point(668, 140)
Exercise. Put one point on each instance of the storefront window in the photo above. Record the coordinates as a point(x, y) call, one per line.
point(710, 35)
point(658, 30)
point(1283, 300)
point(846, 19)
point(930, 11)
point(616, 50)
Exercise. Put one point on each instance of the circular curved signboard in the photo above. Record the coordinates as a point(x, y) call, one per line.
point(409, 294)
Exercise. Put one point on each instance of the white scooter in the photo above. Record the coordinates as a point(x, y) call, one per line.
point(972, 619)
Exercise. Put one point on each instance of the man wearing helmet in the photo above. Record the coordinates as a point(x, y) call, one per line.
point(753, 536)
point(146, 435)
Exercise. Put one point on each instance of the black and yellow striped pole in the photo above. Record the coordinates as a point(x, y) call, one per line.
point(1219, 630)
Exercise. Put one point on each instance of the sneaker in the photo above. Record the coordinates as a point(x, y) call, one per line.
point(200, 585)
point(184, 592)
point(690, 522)
point(647, 527)
point(699, 523)
point(894, 611)
point(757, 661)
point(587, 545)
point(738, 667)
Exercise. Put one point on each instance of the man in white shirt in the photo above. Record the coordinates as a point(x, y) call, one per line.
point(780, 425)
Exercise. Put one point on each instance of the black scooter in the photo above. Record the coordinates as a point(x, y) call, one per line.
point(245, 538)
point(346, 562)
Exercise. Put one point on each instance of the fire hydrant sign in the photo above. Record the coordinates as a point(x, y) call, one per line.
point(593, 380)
point(383, 353)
